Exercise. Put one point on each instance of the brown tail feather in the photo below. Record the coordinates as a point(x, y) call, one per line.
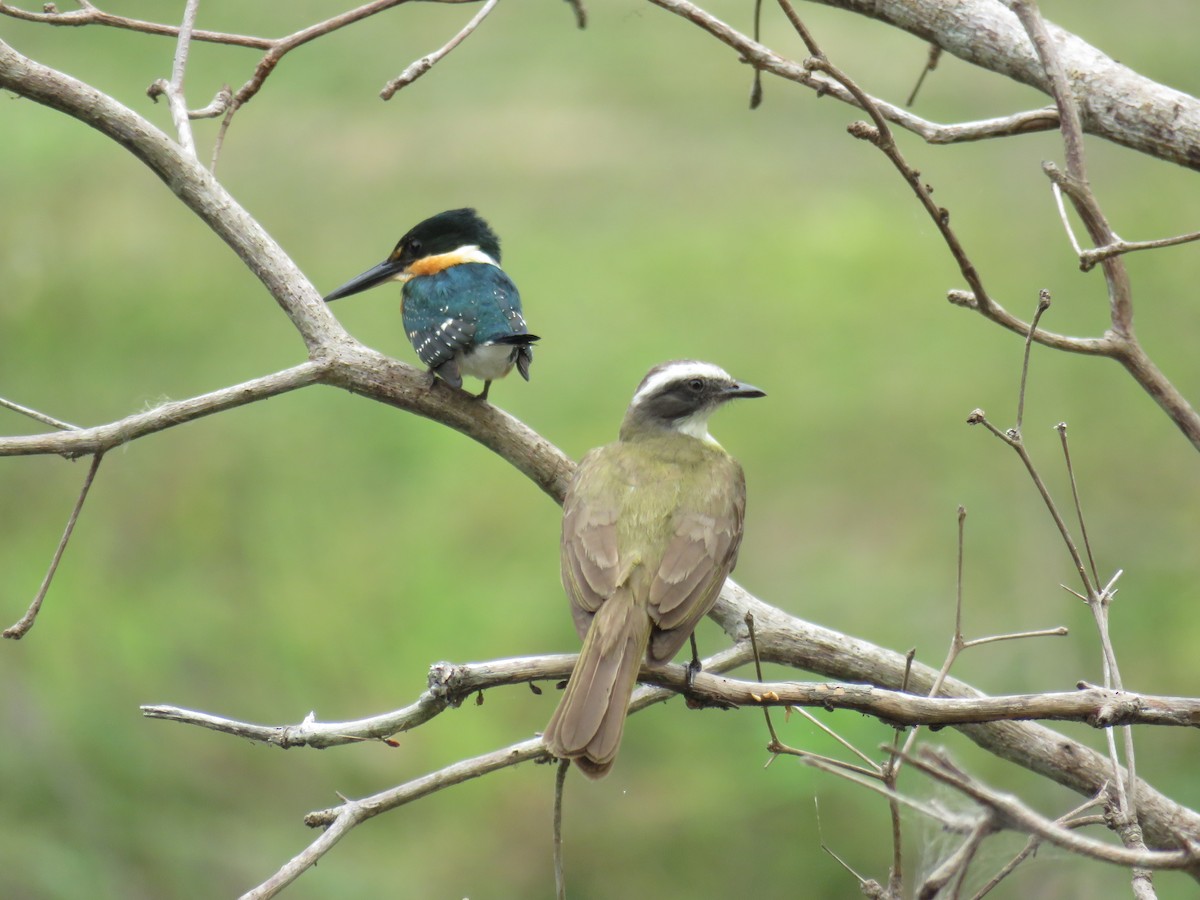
point(590, 718)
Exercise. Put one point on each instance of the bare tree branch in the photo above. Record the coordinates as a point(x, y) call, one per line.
point(1117, 103)
point(173, 89)
point(340, 819)
point(1118, 344)
point(1072, 819)
point(102, 438)
point(1089, 258)
point(1148, 116)
point(334, 358)
point(187, 179)
point(92, 15)
point(786, 639)
point(35, 415)
point(1016, 815)
point(21, 627)
point(450, 684)
point(427, 62)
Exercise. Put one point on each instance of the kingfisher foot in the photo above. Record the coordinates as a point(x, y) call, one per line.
point(482, 395)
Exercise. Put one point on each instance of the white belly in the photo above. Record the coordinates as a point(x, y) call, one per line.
point(488, 361)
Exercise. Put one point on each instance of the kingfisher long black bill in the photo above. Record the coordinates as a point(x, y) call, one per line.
point(385, 271)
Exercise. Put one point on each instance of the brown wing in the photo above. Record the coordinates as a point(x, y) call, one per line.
point(590, 556)
point(699, 556)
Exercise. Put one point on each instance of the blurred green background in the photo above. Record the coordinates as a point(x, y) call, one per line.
point(318, 552)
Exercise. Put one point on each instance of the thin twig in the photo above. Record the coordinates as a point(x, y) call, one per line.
point(1013, 439)
point(869, 771)
point(1097, 706)
point(956, 643)
point(756, 86)
point(218, 106)
point(1076, 185)
point(758, 675)
point(21, 627)
point(1017, 816)
point(91, 15)
point(337, 821)
point(872, 766)
point(580, 12)
point(958, 575)
point(179, 113)
point(1066, 221)
point(1060, 86)
point(1043, 305)
point(1059, 631)
point(879, 134)
point(77, 441)
point(37, 416)
point(425, 63)
point(1061, 428)
point(951, 821)
point(1126, 787)
point(954, 867)
point(1072, 820)
point(931, 63)
point(868, 887)
point(1089, 258)
point(1116, 345)
point(891, 777)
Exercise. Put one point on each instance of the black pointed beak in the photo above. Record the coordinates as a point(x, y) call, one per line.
point(385, 271)
point(741, 389)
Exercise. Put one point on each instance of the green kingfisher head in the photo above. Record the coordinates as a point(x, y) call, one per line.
point(449, 238)
point(679, 396)
point(461, 312)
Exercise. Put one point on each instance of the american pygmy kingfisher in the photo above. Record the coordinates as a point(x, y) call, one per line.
point(461, 312)
point(651, 527)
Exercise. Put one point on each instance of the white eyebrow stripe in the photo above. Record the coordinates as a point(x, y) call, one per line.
point(678, 371)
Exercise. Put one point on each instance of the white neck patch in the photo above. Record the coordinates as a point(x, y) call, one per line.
point(697, 426)
point(431, 265)
point(472, 253)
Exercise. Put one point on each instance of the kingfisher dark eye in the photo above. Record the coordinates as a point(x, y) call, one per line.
point(414, 245)
point(695, 385)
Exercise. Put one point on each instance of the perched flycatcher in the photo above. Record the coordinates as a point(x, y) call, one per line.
point(651, 528)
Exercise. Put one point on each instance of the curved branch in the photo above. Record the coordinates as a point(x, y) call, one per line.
point(102, 438)
point(340, 819)
point(790, 641)
point(1118, 344)
point(428, 61)
point(786, 639)
point(91, 15)
point(451, 684)
point(1116, 103)
point(1017, 816)
point(1145, 116)
point(337, 359)
point(21, 627)
point(188, 180)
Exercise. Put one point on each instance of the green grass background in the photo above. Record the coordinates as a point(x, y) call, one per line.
point(318, 552)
